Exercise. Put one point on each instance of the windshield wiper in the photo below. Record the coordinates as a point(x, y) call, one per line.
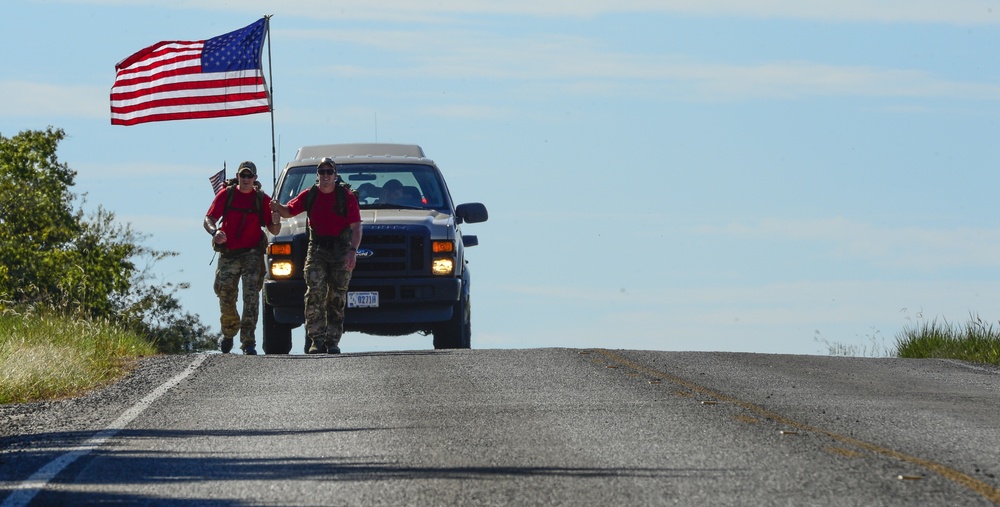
point(390, 206)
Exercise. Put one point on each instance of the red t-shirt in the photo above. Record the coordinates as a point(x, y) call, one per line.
point(242, 229)
point(324, 219)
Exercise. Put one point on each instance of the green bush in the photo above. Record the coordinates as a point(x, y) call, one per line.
point(51, 254)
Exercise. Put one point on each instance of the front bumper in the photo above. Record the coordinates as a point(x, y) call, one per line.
point(401, 301)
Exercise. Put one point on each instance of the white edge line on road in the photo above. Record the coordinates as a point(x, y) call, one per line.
point(26, 491)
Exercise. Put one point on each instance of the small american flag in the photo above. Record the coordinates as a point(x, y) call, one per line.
point(218, 179)
point(179, 80)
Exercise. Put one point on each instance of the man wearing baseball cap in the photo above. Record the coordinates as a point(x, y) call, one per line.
point(244, 210)
point(334, 237)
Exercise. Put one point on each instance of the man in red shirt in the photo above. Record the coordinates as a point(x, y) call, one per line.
point(244, 210)
point(334, 237)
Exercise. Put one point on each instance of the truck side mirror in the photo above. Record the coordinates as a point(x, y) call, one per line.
point(472, 212)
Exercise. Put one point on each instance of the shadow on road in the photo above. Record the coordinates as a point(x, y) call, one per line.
point(135, 470)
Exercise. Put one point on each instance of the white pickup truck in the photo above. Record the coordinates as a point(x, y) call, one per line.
point(411, 275)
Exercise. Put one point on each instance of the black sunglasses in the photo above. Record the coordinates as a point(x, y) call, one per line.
point(326, 172)
point(246, 175)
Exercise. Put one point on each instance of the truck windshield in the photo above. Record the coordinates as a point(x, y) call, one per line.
point(376, 185)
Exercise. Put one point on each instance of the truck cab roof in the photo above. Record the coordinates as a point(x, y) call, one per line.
point(359, 150)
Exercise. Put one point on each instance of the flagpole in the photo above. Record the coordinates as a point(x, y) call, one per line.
point(270, 96)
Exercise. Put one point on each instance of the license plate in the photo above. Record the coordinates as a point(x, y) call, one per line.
point(362, 299)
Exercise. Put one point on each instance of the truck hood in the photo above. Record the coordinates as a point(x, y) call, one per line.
point(433, 220)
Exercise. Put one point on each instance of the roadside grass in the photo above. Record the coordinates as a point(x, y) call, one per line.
point(876, 346)
point(976, 341)
point(46, 355)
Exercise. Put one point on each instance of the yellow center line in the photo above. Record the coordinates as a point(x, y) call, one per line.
point(987, 491)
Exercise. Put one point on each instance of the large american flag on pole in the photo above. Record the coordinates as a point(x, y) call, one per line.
point(180, 80)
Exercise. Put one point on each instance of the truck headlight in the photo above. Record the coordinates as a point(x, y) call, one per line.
point(281, 269)
point(443, 266)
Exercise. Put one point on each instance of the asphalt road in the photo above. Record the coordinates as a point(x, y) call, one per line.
point(516, 427)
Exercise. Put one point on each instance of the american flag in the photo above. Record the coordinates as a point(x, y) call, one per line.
point(179, 80)
point(218, 179)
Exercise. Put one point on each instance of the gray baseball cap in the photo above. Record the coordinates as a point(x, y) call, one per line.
point(248, 165)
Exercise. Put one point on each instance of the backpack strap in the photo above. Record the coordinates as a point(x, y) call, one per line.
point(258, 203)
point(260, 206)
point(311, 199)
point(229, 200)
point(341, 193)
point(341, 199)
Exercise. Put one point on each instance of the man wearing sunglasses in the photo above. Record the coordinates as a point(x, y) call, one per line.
point(244, 210)
point(334, 237)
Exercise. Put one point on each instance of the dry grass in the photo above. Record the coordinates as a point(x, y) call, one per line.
point(45, 355)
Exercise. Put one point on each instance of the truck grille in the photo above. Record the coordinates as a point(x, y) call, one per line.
point(398, 250)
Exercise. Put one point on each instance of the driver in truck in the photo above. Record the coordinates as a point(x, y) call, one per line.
point(392, 192)
point(334, 221)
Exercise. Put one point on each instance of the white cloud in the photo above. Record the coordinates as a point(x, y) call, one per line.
point(131, 173)
point(969, 12)
point(901, 247)
point(793, 317)
point(574, 293)
point(24, 98)
point(804, 79)
point(468, 111)
point(921, 11)
point(553, 65)
point(544, 66)
point(544, 70)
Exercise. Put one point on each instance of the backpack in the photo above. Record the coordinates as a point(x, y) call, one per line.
point(340, 191)
point(230, 187)
point(257, 205)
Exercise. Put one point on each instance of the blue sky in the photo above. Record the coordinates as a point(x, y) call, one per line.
point(670, 175)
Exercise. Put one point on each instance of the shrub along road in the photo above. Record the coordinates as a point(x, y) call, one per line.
point(524, 427)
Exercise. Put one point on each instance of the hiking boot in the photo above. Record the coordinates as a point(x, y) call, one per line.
point(250, 351)
point(226, 345)
point(333, 350)
point(317, 348)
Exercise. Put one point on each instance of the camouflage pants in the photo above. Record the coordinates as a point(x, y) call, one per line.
point(327, 279)
point(248, 267)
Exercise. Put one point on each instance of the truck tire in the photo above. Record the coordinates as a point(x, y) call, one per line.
point(457, 332)
point(277, 336)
